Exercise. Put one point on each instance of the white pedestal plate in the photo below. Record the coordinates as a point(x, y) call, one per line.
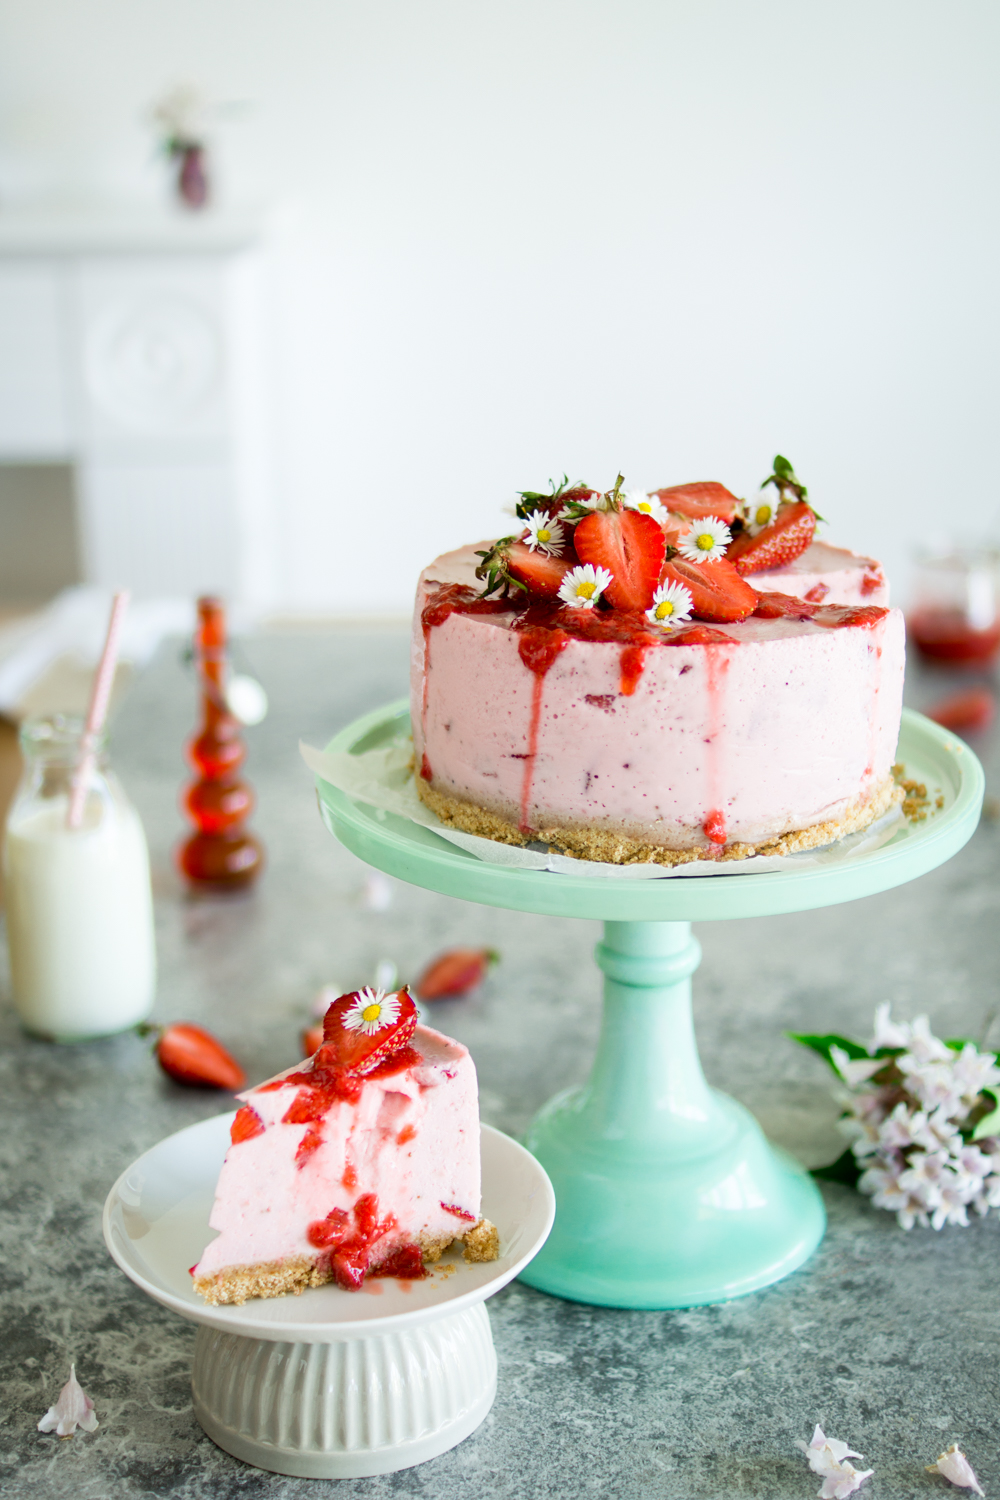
point(331, 1384)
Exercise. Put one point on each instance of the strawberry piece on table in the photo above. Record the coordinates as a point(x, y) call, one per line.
point(193, 1056)
point(717, 590)
point(965, 712)
point(631, 545)
point(704, 498)
point(312, 1039)
point(455, 973)
point(778, 544)
point(361, 1050)
point(541, 574)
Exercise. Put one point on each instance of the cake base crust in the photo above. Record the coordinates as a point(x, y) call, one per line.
point(279, 1278)
point(618, 849)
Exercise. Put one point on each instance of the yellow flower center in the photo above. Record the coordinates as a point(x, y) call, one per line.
point(762, 515)
point(645, 505)
point(664, 609)
point(705, 542)
point(544, 536)
point(586, 590)
point(371, 1012)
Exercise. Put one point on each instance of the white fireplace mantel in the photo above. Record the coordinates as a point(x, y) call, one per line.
point(133, 346)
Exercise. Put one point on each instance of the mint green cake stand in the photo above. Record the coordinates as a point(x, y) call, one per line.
point(667, 1192)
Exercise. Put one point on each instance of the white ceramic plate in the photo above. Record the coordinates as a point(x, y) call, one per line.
point(156, 1227)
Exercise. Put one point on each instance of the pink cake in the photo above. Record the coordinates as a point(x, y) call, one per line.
point(362, 1161)
point(827, 575)
point(770, 728)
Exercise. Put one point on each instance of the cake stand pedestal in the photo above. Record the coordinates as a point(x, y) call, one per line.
point(712, 1209)
point(332, 1384)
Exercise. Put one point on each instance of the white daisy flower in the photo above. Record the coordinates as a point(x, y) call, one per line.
point(582, 587)
point(372, 1011)
point(706, 541)
point(544, 534)
point(761, 510)
point(672, 605)
point(651, 505)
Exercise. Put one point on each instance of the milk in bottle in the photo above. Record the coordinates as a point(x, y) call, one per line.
point(79, 906)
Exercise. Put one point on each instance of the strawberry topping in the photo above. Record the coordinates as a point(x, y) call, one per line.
point(630, 544)
point(698, 500)
point(777, 545)
point(358, 1051)
point(540, 574)
point(830, 616)
point(717, 590)
point(406, 1263)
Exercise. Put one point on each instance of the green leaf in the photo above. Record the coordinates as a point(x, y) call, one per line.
point(989, 1124)
point(823, 1044)
point(783, 467)
point(844, 1170)
point(956, 1043)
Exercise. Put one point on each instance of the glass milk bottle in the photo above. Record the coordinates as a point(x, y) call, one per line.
point(79, 904)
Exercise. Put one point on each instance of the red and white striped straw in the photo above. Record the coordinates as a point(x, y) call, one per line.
point(97, 712)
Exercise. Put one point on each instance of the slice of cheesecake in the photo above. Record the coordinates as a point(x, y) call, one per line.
point(363, 1161)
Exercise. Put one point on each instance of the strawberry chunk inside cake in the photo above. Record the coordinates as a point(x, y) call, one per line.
point(363, 1161)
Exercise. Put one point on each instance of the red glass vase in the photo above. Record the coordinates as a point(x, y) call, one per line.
point(223, 853)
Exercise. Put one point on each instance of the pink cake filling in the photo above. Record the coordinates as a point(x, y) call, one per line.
point(396, 1166)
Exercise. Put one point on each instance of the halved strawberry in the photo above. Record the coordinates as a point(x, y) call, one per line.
point(630, 544)
point(542, 575)
point(455, 973)
point(717, 590)
point(705, 497)
point(191, 1055)
point(357, 1050)
point(778, 544)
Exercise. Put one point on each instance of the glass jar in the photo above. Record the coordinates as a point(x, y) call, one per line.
point(79, 902)
point(955, 619)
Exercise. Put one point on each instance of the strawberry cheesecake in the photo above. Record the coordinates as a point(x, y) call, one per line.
point(662, 676)
point(363, 1161)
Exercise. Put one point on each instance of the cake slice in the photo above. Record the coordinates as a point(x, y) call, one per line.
point(363, 1161)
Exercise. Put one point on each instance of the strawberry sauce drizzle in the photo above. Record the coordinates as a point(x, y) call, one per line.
point(716, 669)
point(538, 648)
point(830, 616)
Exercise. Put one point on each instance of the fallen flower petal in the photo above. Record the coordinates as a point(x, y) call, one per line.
point(843, 1480)
point(955, 1467)
point(74, 1409)
point(823, 1452)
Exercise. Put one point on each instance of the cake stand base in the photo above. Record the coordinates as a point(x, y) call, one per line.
point(667, 1193)
point(349, 1409)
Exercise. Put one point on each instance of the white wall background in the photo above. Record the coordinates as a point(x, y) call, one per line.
point(522, 237)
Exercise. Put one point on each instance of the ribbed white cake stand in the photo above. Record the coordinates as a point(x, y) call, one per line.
point(332, 1384)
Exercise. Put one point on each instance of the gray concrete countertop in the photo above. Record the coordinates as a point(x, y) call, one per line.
point(888, 1339)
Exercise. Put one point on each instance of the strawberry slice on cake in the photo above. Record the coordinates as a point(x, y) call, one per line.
point(364, 1161)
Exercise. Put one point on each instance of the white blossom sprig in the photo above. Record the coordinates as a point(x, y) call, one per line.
point(923, 1119)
